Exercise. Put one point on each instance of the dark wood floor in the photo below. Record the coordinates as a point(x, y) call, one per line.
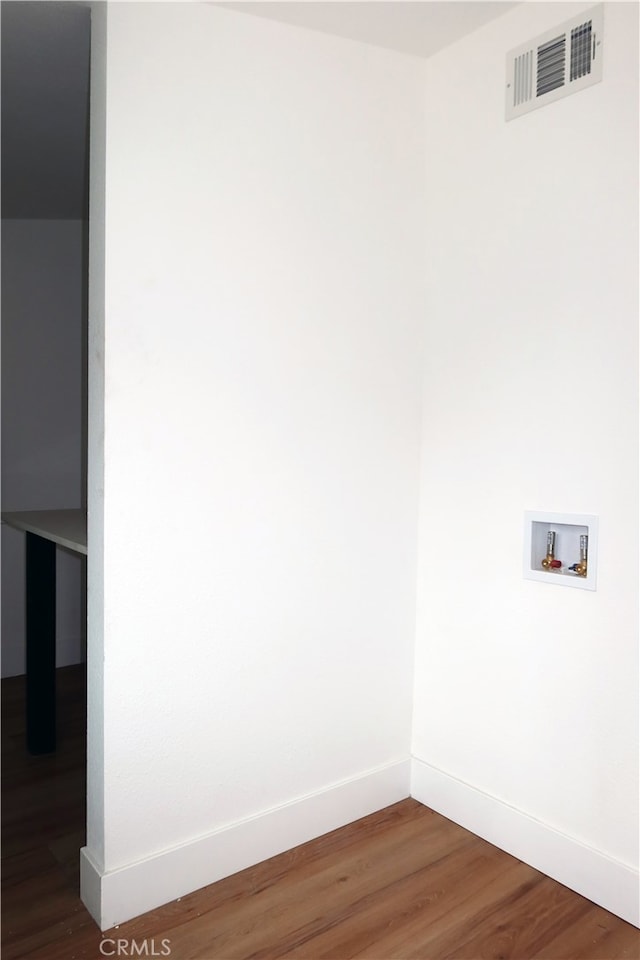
point(402, 883)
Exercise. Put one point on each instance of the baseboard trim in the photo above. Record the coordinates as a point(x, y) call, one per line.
point(113, 897)
point(90, 884)
point(607, 882)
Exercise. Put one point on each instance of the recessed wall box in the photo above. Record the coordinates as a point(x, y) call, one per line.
point(561, 548)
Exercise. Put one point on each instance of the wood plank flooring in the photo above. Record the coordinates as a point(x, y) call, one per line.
point(402, 883)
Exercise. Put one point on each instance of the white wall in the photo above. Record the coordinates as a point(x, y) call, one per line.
point(525, 691)
point(263, 302)
point(42, 390)
point(95, 443)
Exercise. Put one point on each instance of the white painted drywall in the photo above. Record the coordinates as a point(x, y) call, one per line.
point(264, 239)
point(525, 691)
point(42, 396)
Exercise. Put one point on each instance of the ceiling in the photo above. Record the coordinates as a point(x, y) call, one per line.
point(419, 28)
point(45, 79)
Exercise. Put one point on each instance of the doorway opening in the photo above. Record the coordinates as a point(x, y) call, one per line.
point(45, 154)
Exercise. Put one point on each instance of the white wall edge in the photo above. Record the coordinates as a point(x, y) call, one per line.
point(607, 882)
point(113, 897)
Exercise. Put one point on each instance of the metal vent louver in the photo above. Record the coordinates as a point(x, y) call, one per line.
point(555, 64)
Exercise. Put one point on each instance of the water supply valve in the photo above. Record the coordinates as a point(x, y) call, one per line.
point(550, 562)
point(580, 568)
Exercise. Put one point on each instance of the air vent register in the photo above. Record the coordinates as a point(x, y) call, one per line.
point(555, 64)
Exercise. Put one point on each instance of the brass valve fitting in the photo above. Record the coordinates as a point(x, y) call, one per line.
point(550, 562)
point(580, 568)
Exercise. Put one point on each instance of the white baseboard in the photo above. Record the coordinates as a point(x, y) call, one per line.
point(90, 884)
point(609, 883)
point(116, 896)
